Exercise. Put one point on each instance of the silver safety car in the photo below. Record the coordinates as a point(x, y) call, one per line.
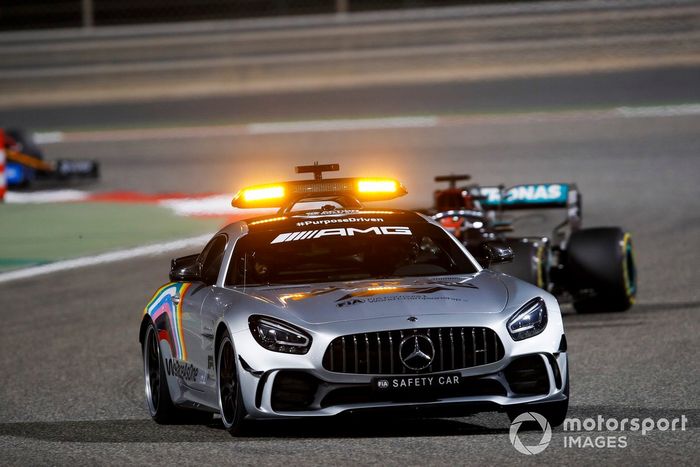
point(327, 308)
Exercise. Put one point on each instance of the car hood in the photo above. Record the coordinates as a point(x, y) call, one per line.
point(359, 300)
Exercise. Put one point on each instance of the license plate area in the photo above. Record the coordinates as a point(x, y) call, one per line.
point(432, 384)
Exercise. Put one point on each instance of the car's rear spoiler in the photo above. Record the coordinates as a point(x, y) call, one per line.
point(533, 196)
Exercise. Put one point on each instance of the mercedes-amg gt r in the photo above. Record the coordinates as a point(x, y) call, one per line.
point(327, 307)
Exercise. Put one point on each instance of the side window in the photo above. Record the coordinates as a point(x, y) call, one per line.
point(211, 258)
point(234, 275)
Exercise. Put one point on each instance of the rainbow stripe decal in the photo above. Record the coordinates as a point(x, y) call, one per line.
point(167, 316)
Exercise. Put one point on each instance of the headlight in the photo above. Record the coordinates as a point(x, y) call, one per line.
point(529, 320)
point(278, 336)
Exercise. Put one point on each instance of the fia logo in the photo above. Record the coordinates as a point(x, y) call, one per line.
point(382, 384)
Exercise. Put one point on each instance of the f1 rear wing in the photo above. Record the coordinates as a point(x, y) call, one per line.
point(533, 196)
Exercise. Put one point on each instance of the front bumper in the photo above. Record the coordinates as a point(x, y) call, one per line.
point(276, 385)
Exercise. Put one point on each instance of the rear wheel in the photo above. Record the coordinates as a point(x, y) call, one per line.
point(160, 405)
point(229, 390)
point(600, 269)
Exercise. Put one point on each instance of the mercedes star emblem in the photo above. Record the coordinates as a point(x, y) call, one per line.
point(417, 352)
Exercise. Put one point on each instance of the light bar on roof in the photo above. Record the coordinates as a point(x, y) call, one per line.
point(281, 194)
point(377, 185)
point(263, 193)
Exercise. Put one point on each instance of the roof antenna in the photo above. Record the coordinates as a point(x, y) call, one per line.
point(317, 169)
point(452, 179)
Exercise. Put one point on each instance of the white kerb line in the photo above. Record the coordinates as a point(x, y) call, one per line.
point(104, 258)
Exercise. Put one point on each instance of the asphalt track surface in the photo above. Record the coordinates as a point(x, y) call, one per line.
point(72, 385)
point(599, 90)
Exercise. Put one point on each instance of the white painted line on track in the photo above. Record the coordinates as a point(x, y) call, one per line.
point(341, 125)
point(212, 206)
point(216, 205)
point(45, 196)
point(48, 137)
point(104, 258)
point(262, 128)
point(397, 122)
point(660, 110)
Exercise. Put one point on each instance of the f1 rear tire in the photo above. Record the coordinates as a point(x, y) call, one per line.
point(600, 269)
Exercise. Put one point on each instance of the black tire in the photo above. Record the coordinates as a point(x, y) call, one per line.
point(600, 269)
point(158, 400)
point(530, 261)
point(554, 412)
point(160, 405)
point(230, 399)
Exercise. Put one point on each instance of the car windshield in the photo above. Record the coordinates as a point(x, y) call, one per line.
point(350, 253)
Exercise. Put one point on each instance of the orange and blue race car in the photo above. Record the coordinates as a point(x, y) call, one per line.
point(26, 163)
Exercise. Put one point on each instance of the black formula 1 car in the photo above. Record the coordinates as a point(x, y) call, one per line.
point(593, 267)
point(26, 163)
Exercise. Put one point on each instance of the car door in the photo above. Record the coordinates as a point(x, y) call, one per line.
point(196, 342)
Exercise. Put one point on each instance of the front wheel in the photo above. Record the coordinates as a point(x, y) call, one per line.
point(229, 390)
point(554, 412)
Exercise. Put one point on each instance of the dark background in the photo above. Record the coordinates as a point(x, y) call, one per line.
point(49, 14)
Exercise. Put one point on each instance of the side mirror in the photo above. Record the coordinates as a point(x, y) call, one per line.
point(185, 269)
point(494, 253)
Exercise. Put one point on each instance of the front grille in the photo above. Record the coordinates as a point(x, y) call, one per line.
point(378, 352)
